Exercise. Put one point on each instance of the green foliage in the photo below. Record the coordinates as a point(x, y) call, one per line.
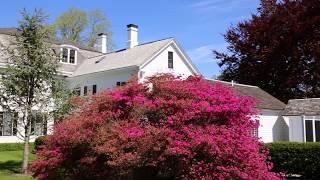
point(31, 68)
point(13, 146)
point(30, 78)
point(296, 158)
point(71, 23)
point(98, 23)
point(79, 26)
point(39, 141)
point(61, 95)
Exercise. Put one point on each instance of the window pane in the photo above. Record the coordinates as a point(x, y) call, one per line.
point(123, 83)
point(15, 123)
point(7, 125)
point(45, 125)
point(170, 59)
point(1, 123)
point(72, 56)
point(85, 90)
point(64, 55)
point(94, 89)
point(309, 131)
point(37, 124)
point(118, 83)
point(255, 132)
point(317, 126)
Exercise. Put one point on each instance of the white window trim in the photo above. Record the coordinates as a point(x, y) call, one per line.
point(313, 119)
point(68, 58)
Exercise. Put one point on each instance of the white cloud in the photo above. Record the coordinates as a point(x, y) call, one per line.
point(220, 5)
point(204, 54)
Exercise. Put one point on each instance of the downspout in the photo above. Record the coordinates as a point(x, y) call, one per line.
point(304, 129)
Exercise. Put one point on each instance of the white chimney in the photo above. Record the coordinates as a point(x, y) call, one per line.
point(132, 35)
point(102, 42)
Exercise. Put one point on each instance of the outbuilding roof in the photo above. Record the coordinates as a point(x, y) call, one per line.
point(307, 107)
point(263, 99)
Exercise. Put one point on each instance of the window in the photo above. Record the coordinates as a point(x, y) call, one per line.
point(170, 59)
point(85, 90)
point(68, 55)
point(94, 89)
point(255, 132)
point(77, 91)
point(72, 56)
point(39, 124)
point(309, 131)
point(64, 55)
point(312, 129)
point(121, 83)
point(8, 124)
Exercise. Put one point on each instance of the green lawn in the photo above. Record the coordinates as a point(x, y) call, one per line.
point(10, 165)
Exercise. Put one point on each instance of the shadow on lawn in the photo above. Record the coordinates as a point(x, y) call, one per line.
point(11, 166)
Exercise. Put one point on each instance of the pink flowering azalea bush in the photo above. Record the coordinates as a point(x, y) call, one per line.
point(177, 129)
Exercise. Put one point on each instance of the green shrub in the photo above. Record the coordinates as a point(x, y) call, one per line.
point(296, 158)
point(13, 146)
point(39, 141)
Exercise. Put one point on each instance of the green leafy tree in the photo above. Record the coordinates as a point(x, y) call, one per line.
point(79, 26)
point(276, 49)
point(29, 81)
point(71, 23)
point(98, 23)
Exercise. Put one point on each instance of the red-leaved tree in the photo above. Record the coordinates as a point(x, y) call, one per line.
point(185, 129)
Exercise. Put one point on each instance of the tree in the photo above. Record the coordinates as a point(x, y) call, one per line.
point(178, 129)
point(28, 82)
point(98, 23)
point(70, 24)
point(79, 26)
point(277, 49)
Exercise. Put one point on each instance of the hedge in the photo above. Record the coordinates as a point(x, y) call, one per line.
point(13, 146)
point(39, 141)
point(293, 158)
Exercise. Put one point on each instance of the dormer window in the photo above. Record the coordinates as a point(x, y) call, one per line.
point(64, 55)
point(68, 55)
point(72, 56)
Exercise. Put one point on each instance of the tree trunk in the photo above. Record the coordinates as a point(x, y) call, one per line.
point(25, 160)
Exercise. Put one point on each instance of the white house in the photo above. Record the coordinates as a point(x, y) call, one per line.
point(108, 70)
point(272, 126)
point(303, 119)
point(89, 70)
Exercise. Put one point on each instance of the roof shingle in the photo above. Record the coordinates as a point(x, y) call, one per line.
point(122, 58)
point(263, 99)
point(308, 107)
point(14, 32)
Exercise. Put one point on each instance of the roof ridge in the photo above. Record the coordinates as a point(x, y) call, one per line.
point(124, 49)
point(13, 31)
point(303, 98)
point(155, 41)
point(246, 85)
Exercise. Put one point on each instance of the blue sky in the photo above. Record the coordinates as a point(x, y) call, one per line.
point(198, 25)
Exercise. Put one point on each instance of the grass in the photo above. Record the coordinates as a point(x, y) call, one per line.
point(10, 165)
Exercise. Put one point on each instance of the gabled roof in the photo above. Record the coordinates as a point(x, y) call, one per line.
point(124, 58)
point(263, 99)
point(57, 41)
point(307, 107)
